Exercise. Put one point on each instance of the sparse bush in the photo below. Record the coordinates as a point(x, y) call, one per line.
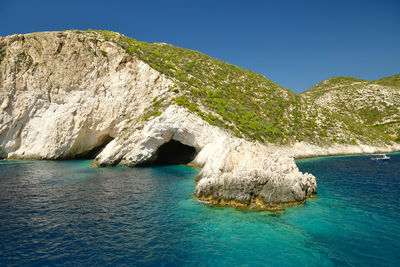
point(103, 53)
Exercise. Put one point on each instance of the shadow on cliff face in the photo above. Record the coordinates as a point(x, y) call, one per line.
point(91, 154)
point(173, 152)
point(3, 154)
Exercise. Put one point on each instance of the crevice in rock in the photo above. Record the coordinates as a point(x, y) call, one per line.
point(172, 152)
point(59, 48)
point(91, 154)
point(3, 154)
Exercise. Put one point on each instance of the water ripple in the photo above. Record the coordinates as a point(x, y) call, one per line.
point(69, 213)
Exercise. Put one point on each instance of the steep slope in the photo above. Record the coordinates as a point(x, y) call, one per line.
point(244, 102)
point(374, 104)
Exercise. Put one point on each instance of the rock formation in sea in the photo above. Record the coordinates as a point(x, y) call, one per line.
point(104, 96)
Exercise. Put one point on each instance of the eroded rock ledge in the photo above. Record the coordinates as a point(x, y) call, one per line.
point(234, 171)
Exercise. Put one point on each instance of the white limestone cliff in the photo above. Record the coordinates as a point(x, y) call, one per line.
point(58, 105)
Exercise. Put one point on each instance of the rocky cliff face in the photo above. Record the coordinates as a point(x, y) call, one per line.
point(73, 94)
point(63, 94)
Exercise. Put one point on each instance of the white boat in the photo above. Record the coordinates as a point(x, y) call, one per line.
point(380, 157)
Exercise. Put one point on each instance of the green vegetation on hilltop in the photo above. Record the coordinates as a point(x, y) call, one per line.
point(234, 98)
point(332, 84)
point(392, 81)
point(241, 101)
point(336, 81)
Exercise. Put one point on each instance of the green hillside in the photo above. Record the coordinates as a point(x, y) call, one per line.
point(333, 84)
point(241, 101)
point(374, 104)
point(391, 81)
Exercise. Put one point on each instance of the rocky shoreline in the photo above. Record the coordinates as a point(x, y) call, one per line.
point(303, 150)
point(254, 203)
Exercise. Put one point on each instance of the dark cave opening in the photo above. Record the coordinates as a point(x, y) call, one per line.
point(91, 154)
point(173, 152)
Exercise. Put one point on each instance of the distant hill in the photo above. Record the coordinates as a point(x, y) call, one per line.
point(391, 81)
point(375, 104)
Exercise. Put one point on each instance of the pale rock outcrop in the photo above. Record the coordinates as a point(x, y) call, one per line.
point(56, 104)
point(138, 145)
point(247, 173)
point(234, 171)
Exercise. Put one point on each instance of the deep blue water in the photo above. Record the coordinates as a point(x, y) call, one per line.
point(69, 213)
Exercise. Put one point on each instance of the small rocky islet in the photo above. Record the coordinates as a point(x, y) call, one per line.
point(102, 95)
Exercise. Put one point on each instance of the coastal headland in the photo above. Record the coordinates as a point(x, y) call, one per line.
point(107, 97)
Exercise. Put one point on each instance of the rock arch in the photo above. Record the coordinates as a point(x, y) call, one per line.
point(172, 152)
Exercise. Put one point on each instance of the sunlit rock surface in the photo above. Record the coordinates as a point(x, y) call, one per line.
point(234, 171)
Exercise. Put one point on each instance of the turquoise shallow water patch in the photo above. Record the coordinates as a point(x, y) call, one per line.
point(71, 213)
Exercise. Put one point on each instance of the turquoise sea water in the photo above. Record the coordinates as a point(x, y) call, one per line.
point(69, 213)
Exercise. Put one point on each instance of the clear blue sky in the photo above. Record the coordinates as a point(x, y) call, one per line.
point(294, 43)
